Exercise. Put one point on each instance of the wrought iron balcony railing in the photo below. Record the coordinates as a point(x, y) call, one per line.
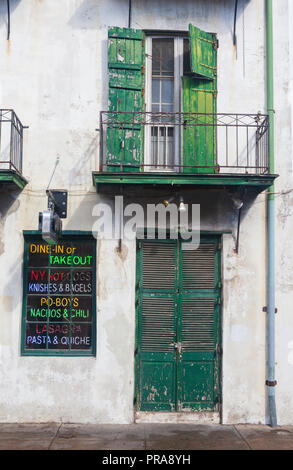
point(184, 143)
point(11, 141)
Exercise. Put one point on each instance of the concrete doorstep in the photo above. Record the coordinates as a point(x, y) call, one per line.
point(148, 436)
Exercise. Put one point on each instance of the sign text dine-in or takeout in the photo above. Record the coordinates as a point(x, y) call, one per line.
point(59, 296)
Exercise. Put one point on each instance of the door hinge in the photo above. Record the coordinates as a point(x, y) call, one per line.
point(219, 284)
point(218, 351)
point(142, 42)
point(217, 402)
point(216, 44)
point(142, 91)
point(142, 69)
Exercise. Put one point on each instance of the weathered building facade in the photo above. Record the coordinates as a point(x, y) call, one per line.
point(149, 102)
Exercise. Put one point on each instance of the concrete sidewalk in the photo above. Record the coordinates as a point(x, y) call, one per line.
point(56, 436)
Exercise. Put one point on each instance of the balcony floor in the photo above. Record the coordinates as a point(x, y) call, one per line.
point(109, 181)
point(12, 179)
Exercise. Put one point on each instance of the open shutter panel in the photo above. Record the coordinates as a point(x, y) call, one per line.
point(203, 52)
point(199, 99)
point(126, 89)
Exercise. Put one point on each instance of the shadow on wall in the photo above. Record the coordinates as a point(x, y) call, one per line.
point(97, 15)
point(87, 16)
point(8, 204)
point(88, 160)
point(5, 7)
point(81, 217)
point(217, 210)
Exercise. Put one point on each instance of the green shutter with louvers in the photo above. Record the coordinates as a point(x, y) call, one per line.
point(199, 99)
point(157, 318)
point(124, 139)
point(199, 328)
point(178, 304)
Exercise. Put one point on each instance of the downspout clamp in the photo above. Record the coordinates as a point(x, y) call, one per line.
point(270, 207)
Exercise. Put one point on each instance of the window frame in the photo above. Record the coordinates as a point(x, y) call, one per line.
point(178, 73)
point(71, 236)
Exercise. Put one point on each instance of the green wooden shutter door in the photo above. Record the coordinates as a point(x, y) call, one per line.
point(124, 140)
point(198, 374)
point(199, 96)
point(178, 301)
point(157, 326)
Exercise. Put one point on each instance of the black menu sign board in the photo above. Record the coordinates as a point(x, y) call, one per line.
point(59, 296)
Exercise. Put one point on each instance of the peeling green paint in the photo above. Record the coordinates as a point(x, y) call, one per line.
point(13, 179)
point(176, 305)
point(124, 140)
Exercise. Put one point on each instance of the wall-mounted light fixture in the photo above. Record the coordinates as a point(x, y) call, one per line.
point(238, 203)
point(182, 207)
point(166, 202)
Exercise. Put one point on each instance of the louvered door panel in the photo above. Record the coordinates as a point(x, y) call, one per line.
point(198, 267)
point(159, 270)
point(157, 326)
point(199, 325)
point(157, 320)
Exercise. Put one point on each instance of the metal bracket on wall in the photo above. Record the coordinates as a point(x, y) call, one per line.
point(264, 309)
point(58, 197)
point(238, 231)
point(271, 383)
point(238, 201)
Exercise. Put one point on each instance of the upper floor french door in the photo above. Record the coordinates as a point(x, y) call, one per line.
point(166, 62)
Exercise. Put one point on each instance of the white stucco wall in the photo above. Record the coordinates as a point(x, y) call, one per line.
point(53, 73)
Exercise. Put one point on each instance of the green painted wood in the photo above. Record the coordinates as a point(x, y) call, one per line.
point(157, 326)
point(199, 332)
point(199, 96)
point(126, 58)
point(260, 181)
point(203, 52)
point(199, 131)
point(11, 178)
point(125, 48)
point(178, 300)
